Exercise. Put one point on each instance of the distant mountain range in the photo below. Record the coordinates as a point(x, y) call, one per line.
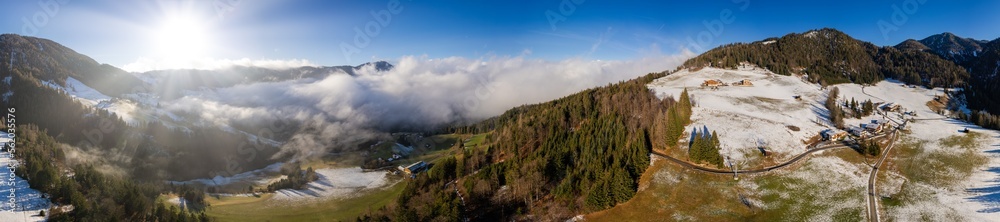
point(829, 56)
point(39, 77)
point(171, 84)
point(980, 58)
point(954, 48)
point(559, 152)
point(45, 60)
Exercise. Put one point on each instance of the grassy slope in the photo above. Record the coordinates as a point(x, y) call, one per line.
point(925, 170)
point(257, 209)
point(672, 193)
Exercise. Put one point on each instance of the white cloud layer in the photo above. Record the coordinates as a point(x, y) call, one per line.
point(418, 94)
point(144, 64)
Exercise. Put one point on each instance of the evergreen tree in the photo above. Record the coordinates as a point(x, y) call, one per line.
point(868, 108)
point(716, 147)
point(836, 112)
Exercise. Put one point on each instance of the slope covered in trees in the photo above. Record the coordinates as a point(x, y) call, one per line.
point(983, 92)
point(580, 153)
point(829, 56)
point(44, 59)
point(981, 59)
point(93, 195)
point(164, 152)
point(705, 148)
point(962, 51)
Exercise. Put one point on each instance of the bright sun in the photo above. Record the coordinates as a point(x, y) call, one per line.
point(181, 38)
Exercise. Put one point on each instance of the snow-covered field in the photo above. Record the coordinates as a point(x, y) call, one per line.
point(333, 183)
point(258, 177)
point(90, 96)
point(747, 116)
point(750, 116)
point(978, 198)
point(27, 202)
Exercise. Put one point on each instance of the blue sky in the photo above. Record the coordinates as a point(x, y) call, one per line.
point(122, 32)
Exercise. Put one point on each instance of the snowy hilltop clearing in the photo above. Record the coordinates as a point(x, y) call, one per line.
point(751, 107)
point(746, 117)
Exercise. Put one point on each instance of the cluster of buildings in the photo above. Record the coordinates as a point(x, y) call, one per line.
point(864, 130)
point(833, 134)
point(414, 168)
point(716, 83)
point(890, 107)
point(744, 82)
point(713, 83)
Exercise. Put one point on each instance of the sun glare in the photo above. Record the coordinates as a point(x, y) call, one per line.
point(181, 38)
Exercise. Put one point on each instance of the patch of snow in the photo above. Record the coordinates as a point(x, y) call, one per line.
point(27, 201)
point(147, 99)
point(6, 80)
point(768, 42)
point(768, 107)
point(576, 218)
point(811, 34)
point(250, 137)
point(79, 90)
point(255, 176)
point(333, 183)
point(179, 201)
point(91, 97)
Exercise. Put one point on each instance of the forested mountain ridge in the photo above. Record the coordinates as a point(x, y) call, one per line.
point(952, 47)
point(979, 57)
point(161, 152)
point(46, 60)
point(911, 45)
point(829, 56)
point(549, 161)
point(983, 92)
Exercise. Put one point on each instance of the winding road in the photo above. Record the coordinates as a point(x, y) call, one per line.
point(761, 170)
point(872, 196)
point(753, 171)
